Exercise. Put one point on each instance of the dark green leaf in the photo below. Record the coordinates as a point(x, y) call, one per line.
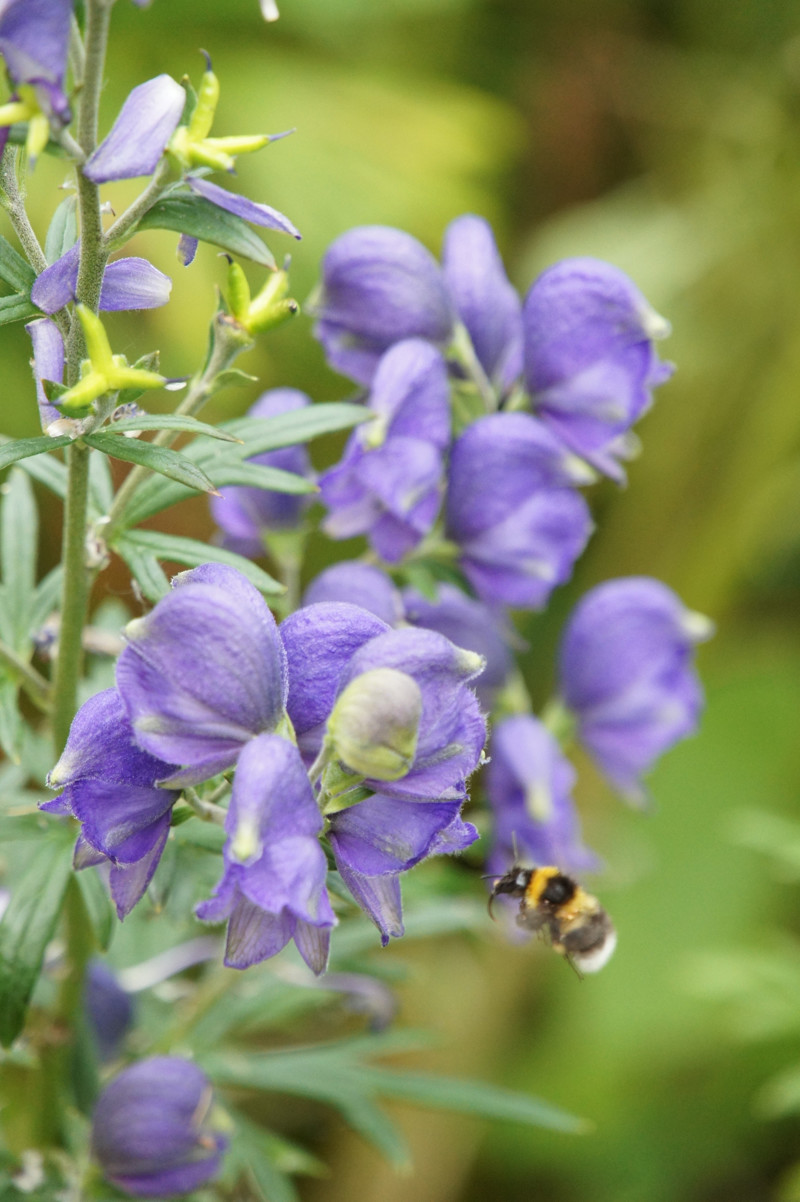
point(161, 460)
point(27, 928)
point(197, 217)
point(15, 270)
point(63, 230)
point(98, 907)
point(176, 549)
point(23, 448)
point(53, 390)
point(145, 569)
point(17, 307)
point(170, 421)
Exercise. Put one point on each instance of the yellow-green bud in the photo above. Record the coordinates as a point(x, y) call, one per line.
point(374, 726)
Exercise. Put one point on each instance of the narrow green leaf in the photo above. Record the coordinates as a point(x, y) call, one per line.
point(189, 551)
point(145, 569)
point(257, 475)
point(19, 534)
point(11, 729)
point(62, 233)
point(173, 464)
point(17, 307)
point(46, 597)
point(101, 485)
point(23, 448)
point(27, 927)
point(170, 421)
point(15, 270)
point(99, 910)
point(197, 217)
point(298, 426)
point(48, 470)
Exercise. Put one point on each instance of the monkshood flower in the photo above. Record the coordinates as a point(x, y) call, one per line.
point(359, 584)
point(34, 38)
point(203, 673)
point(246, 515)
point(485, 301)
point(108, 1007)
point(529, 785)
point(513, 510)
point(379, 286)
point(155, 1132)
point(109, 785)
point(627, 675)
point(140, 134)
point(127, 284)
point(388, 483)
point(590, 363)
point(468, 623)
point(273, 887)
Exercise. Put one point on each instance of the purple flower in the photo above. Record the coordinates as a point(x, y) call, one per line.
point(108, 1007)
point(127, 284)
point(529, 784)
point(246, 514)
point(47, 364)
point(273, 887)
point(34, 37)
point(379, 286)
point(240, 206)
point(154, 1132)
point(485, 301)
point(590, 364)
point(203, 672)
point(626, 672)
point(109, 785)
point(139, 136)
point(388, 484)
point(512, 508)
point(467, 623)
point(359, 584)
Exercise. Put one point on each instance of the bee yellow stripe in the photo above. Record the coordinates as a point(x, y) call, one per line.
point(538, 883)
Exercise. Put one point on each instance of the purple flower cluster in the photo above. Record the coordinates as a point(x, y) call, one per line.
point(334, 723)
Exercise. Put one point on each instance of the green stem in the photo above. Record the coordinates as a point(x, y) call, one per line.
point(464, 352)
point(35, 685)
point(75, 597)
point(117, 234)
point(207, 810)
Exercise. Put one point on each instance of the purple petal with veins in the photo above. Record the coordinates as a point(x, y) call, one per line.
point(240, 206)
point(139, 136)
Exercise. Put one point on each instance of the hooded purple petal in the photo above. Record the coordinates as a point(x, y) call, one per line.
point(484, 299)
point(240, 206)
point(139, 136)
point(379, 898)
point(627, 673)
point(590, 363)
point(153, 1132)
point(411, 395)
point(127, 284)
point(47, 364)
point(359, 584)
point(383, 835)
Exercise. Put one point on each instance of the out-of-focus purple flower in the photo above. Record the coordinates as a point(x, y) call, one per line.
point(513, 509)
point(273, 887)
point(529, 785)
point(47, 364)
point(590, 363)
point(467, 623)
point(379, 286)
point(127, 284)
point(34, 38)
point(485, 301)
point(627, 674)
point(109, 785)
point(154, 1131)
point(359, 584)
point(140, 134)
point(203, 672)
point(109, 1008)
point(388, 484)
point(245, 514)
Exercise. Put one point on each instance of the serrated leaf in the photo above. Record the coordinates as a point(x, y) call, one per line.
point(62, 233)
point(171, 421)
point(17, 307)
point(173, 464)
point(19, 525)
point(194, 215)
point(26, 929)
point(98, 907)
point(177, 549)
point(15, 270)
point(145, 569)
point(24, 448)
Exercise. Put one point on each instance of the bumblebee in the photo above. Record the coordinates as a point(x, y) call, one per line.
point(554, 905)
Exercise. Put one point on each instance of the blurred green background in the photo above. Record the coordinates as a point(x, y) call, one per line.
point(663, 135)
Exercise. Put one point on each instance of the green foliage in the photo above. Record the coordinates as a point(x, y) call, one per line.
point(197, 217)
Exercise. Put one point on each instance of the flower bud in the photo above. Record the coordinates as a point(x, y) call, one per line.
point(374, 725)
point(155, 1132)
